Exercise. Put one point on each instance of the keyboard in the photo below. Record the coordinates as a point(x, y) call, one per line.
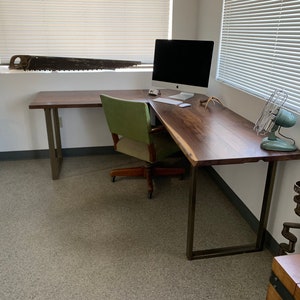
point(167, 101)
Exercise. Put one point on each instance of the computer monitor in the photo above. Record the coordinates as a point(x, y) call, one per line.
point(182, 65)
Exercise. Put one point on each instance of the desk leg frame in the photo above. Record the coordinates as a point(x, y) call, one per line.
point(54, 141)
point(258, 246)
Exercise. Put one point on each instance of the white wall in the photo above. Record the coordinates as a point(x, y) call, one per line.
point(24, 129)
point(185, 15)
point(247, 181)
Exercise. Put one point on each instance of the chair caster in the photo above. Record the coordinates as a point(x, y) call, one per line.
point(113, 178)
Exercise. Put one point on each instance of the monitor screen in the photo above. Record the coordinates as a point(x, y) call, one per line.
point(183, 65)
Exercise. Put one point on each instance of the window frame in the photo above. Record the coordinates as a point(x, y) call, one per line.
point(258, 48)
point(64, 28)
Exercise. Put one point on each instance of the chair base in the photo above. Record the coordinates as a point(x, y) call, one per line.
point(147, 172)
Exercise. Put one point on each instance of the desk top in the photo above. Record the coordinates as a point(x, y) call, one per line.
point(89, 98)
point(211, 136)
point(77, 99)
point(215, 135)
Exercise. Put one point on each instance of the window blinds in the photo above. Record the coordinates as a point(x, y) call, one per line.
point(260, 47)
point(107, 29)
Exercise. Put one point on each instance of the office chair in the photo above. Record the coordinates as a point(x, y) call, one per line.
point(129, 124)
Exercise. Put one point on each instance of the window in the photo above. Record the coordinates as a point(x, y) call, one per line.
point(260, 47)
point(107, 29)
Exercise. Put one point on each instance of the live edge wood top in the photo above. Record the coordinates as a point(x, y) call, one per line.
point(211, 136)
point(215, 135)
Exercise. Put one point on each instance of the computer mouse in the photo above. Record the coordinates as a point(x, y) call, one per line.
point(184, 104)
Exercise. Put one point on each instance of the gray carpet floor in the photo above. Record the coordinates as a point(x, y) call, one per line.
point(84, 237)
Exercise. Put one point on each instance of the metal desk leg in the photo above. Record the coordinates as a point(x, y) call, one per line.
point(191, 213)
point(57, 134)
point(54, 141)
point(266, 205)
point(191, 254)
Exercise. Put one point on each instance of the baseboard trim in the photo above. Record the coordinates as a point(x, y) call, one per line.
point(68, 152)
point(270, 242)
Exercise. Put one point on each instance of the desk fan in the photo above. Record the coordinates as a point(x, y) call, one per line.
point(272, 118)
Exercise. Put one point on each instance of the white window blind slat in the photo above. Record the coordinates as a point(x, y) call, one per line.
point(260, 47)
point(110, 29)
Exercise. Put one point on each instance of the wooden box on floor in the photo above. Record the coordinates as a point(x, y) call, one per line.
point(285, 278)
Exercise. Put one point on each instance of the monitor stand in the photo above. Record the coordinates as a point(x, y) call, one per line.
point(182, 96)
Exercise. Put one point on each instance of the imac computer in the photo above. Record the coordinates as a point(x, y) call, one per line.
point(182, 65)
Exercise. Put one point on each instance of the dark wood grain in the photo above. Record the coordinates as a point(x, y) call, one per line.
point(211, 136)
point(215, 135)
point(77, 99)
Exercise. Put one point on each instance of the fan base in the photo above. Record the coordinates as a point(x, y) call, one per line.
point(277, 145)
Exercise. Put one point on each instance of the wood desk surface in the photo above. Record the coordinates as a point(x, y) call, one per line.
point(77, 99)
point(290, 264)
point(215, 135)
point(287, 269)
point(211, 136)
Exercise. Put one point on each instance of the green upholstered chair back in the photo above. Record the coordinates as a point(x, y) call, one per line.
point(130, 119)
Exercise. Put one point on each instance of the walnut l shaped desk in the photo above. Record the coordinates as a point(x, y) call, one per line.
point(207, 137)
